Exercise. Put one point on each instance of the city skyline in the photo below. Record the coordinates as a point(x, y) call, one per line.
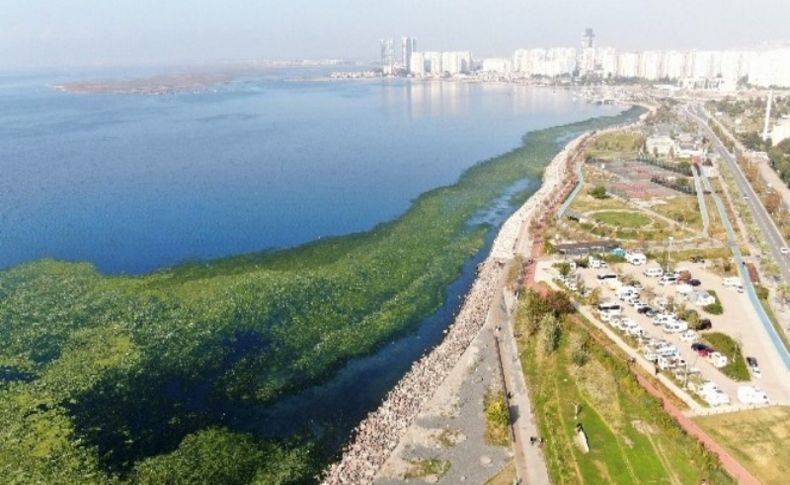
point(84, 32)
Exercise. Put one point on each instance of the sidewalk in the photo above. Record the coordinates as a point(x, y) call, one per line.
point(524, 425)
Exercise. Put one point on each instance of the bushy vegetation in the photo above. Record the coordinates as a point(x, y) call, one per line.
point(154, 378)
point(714, 308)
point(599, 192)
point(497, 418)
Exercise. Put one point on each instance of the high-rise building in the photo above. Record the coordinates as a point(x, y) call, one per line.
point(387, 56)
point(586, 60)
point(628, 65)
point(417, 63)
point(407, 48)
point(588, 39)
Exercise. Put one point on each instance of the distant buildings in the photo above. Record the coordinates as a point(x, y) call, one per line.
point(693, 69)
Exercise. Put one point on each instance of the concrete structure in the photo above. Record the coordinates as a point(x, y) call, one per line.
point(660, 145)
point(408, 46)
point(387, 56)
point(770, 68)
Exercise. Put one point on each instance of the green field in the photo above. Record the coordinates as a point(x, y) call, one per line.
point(622, 219)
point(757, 439)
point(142, 378)
point(632, 440)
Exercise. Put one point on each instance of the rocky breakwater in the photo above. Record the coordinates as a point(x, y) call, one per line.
point(379, 433)
point(514, 237)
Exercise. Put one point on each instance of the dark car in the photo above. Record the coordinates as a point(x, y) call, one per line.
point(704, 324)
point(701, 349)
point(694, 282)
point(751, 361)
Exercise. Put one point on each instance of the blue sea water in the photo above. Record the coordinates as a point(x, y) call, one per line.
point(132, 183)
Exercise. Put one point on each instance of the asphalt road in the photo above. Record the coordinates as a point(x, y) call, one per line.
point(769, 230)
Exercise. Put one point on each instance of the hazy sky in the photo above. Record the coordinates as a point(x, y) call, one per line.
point(39, 33)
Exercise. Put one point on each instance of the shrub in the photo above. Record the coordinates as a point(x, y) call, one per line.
point(552, 328)
point(714, 308)
point(599, 192)
point(497, 418)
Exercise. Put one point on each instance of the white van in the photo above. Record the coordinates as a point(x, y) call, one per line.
point(718, 360)
point(667, 279)
point(732, 281)
point(636, 258)
point(653, 272)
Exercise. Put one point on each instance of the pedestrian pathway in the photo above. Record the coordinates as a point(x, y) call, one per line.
point(703, 208)
point(524, 426)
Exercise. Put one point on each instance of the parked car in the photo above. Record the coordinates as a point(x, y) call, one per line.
point(697, 259)
point(752, 362)
point(643, 309)
point(701, 349)
point(694, 282)
point(688, 336)
point(704, 324)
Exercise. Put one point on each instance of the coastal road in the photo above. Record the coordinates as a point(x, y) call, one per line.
point(760, 215)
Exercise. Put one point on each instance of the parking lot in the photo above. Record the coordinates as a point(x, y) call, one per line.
point(738, 321)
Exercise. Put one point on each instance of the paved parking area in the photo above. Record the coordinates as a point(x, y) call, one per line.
point(738, 321)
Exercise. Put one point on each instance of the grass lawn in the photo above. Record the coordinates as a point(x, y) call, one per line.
point(757, 438)
point(683, 209)
point(736, 366)
point(620, 144)
point(622, 219)
point(632, 440)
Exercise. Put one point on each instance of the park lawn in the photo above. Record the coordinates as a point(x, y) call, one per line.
point(683, 209)
point(584, 202)
point(757, 438)
point(620, 144)
point(632, 440)
point(736, 367)
point(622, 218)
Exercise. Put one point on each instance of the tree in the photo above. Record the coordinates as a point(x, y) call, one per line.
point(599, 192)
point(564, 268)
point(560, 303)
point(552, 328)
point(773, 201)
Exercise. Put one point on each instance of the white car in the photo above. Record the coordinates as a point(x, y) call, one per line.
point(784, 251)
point(688, 336)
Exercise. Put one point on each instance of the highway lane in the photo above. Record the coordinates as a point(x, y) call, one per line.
point(773, 236)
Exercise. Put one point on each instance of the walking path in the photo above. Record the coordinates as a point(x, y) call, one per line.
point(523, 419)
point(703, 208)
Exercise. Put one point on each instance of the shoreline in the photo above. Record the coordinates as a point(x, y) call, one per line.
point(377, 436)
